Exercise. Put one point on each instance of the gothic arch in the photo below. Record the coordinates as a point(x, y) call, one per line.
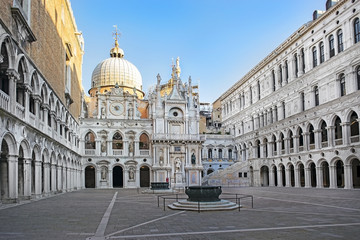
point(11, 143)
point(6, 39)
point(26, 148)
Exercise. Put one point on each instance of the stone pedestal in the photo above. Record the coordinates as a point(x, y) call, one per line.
point(103, 184)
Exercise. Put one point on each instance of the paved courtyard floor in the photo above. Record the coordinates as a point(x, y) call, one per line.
point(278, 213)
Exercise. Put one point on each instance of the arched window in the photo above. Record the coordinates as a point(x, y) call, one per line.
point(31, 99)
point(342, 85)
point(280, 76)
point(291, 140)
point(340, 41)
point(282, 142)
point(257, 145)
point(338, 129)
point(90, 141)
point(273, 80)
point(220, 153)
point(322, 52)
point(331, 46)
point(250, 95)
point(230, 153)
point(303, 60)
point(296, 65)
point(286, 72)
point(314, 55)
point(274, 144)
point(20, 90)
point(354, 128)
point(265, 147)
point(358, 77)
point(302, 101)
point(311, 134)
point(4, 65)
point(316, 94)
point(301, 140)
point(210, 153)
point(324, 137)
point(144, 141)
point(117, 141)
point(356, 30)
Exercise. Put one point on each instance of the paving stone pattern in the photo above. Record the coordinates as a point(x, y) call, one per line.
point(278, 213)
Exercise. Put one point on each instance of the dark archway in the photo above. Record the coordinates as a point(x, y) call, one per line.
point(326, 175)
point(4, 178)
point(292, 175)
point(264, 176)
point(89, 177)
point(118, 177)
point(313, 174)
point(144, 176)
point(356, 173)
point(21, 181)
point(283, 177)
point(275, 175)
point(302, 175)
point(340, 174)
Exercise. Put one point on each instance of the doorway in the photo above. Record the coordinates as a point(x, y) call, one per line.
point(144, 176)
point(118, 177)
point(89, 177)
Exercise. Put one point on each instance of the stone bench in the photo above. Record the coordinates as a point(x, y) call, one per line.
point(159, 185)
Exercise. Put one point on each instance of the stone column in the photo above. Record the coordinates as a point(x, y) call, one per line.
point(271, 177)
point(37, 100)
point(292, 69)
point(332, 176)
point(331, 135)
point(301, 62)
point(287, 177)
point(261, 120)
point(279, 178)
point(38, 178)
point(27, 177)
point(13, 177)
point(280, 112)
point(297, 176)
point(59, 180)
point(296, 143)
point(46, 178)
point(256, 120)
point(64, 180)
point(306, 141)
point(284, 82)
point(348, 176)
point(26, 102)
point(53, 178)
point(287, 145)
point(13, 78)
point(274, 114)
point(317, 134)
point(319, 177)
point(307, 177)
point(345, 132)
point(46, 109)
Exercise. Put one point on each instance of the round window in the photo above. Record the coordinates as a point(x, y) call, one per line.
point(175, 114)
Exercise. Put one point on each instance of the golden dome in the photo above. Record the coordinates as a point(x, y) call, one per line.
point(116, 70)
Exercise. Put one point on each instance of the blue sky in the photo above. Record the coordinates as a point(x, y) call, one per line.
point(218, 41)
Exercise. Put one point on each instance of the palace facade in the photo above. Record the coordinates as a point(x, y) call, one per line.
point(295, 116)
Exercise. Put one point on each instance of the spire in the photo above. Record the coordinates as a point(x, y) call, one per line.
point(116, 51)
point(177, 68)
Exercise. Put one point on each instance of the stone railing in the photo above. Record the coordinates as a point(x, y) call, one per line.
point(89, 151)
point(4, 100)
point(144, 152)
point(117, 152)
point(178, 137)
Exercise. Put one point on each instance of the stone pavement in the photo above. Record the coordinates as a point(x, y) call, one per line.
point(278, 213)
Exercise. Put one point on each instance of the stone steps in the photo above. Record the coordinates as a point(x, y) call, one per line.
point(221, 205)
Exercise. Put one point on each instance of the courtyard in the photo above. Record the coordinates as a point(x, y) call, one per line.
point(278, 213)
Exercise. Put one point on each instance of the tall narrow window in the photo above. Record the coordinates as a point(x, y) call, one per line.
point(302, 101)
point(90, 141)
point(258, 88)
point(220, 153)
point(303, 60)
point(250, 95)
point(316, 93)
point(314, 53)
point(322, 52)
point(210, 153)
point(286, 72)
point(340, 41)
point(117, 141)
point(144, 141)
point(284, 110)
point(358, 77)
point(280, 76)
point(342, 85)
point(331, 46)
point(296, 65)
point(356, 30)
point(273, 80)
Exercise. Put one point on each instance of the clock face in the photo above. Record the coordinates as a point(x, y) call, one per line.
point(116, 108)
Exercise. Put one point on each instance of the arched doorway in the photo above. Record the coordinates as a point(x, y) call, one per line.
point(144, 176)
point(275, 175)
point(339, 174)
point(21, 181)
point(118, 177)
point(312, 174)
point(4, 178)
point(264, 176)
point(292, 175)
point(283, 177)
point(326, 176)
point(302, 175)
point(89, 177)
point(356, 173)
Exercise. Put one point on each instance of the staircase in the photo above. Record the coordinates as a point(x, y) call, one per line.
point(229, 177)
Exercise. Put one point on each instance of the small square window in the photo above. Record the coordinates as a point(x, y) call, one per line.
point(245, 174)
point(240, 174)
point(177, 149)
